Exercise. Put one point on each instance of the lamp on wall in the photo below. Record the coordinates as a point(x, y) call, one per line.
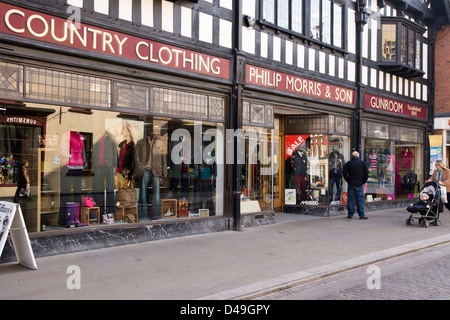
point(249, 21)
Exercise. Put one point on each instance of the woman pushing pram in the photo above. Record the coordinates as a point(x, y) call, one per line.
point(433, 197)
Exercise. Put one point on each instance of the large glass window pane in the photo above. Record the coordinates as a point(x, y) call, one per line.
point(339, 150)
point(315, 29)
point(297, 18)
point(258, 171)
point(404, 45)
point(283, 14)
point(411, 47)
point(381, 182)
point(326, 21)
point(418, 63)
point(389, 40)
point(269, 11)
point(337, 25)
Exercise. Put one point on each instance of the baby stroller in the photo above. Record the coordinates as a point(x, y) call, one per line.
point(429, 206)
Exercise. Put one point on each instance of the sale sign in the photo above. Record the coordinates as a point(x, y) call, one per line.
point(292, 142)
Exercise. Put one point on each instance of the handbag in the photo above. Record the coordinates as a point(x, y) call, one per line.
point(25, 191)
point(108, 218)
point(120, 181)
point(89, 201)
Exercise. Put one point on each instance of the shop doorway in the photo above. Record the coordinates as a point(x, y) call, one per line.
point(313, 148)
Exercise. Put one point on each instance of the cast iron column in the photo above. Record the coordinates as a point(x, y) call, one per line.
point(361, 17)
point(236, 112)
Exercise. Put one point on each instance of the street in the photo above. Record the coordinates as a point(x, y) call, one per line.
point(422, 275)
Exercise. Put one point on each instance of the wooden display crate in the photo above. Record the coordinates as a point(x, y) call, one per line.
point(90, 215)
point(126, 214)
point(169, 204)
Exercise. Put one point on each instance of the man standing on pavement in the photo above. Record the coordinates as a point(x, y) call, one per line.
point(356, 174)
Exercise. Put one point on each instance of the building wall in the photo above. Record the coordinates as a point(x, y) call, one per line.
point(442, 65)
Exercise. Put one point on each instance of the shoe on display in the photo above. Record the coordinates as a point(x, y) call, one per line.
point(169, 213)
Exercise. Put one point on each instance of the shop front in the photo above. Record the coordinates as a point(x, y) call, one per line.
point(123, 145)
point(393, 134)
point(309, 124)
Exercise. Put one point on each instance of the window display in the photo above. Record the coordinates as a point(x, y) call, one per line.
point(394, 161)
point(313, 168)
point(257, 173)
point(103, 167)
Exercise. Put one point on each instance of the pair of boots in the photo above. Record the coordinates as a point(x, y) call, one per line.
point(73, 215)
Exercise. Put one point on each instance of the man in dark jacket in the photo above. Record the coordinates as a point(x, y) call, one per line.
point(356, 174)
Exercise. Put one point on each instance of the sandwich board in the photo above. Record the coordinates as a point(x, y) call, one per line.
point(12, 222)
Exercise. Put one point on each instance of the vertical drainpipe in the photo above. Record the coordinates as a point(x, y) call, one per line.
point(238, 75)
point(361, 17)
point(432, 30)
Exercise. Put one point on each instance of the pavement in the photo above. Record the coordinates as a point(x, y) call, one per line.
point(229, 265)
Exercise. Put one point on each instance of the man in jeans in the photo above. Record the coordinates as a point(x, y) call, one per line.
point(355, 173)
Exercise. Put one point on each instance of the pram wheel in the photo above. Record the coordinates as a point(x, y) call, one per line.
point(409, 222)
point(424, 223)
point(437, 222)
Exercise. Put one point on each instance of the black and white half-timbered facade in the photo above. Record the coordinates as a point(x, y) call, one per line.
point(147, 119)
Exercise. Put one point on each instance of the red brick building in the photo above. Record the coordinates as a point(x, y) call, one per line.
point(442, 94)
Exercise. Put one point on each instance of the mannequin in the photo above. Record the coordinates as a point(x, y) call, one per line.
point(126, 152)
point(151, 167)
point(204, 175)
point(300, 169)
point(104, 163)
point(336, 161)
point(73, 161)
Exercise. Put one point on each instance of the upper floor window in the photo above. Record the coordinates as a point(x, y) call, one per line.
point(323, 21)
point(401, 47)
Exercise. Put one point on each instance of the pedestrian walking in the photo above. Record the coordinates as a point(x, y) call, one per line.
point(23, 181)
point(442, 176)
point(356, 174)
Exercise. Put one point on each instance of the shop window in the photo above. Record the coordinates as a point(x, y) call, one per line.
point(257, 173)
point(401, 52)
point(393, 155)
point(135, 167)
point(313, 169)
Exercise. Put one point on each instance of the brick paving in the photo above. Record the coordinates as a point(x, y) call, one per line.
point(423, 275)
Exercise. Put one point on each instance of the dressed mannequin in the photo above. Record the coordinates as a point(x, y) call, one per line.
point(126, 152)
point(104, 163)
point(336, 161)
point(73, 160)
point(151, 167)
point(204, 175)
point(300, 169)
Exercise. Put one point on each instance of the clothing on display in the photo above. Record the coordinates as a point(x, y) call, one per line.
point(336, 163)
point(300, 170)
point(407, 158)
point(151, 167)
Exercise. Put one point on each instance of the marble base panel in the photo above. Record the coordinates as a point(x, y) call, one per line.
point(335, 210)
point(105, 236)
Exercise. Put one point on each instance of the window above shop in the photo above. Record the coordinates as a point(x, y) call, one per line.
point(318, 20)
point(402, 47)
